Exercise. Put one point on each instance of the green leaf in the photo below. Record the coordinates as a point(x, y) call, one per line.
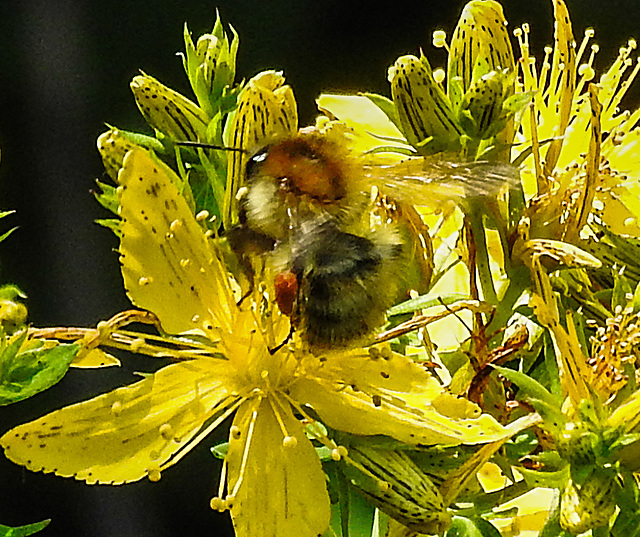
point(426, 301)
point(467, 527)
point(486, 528)
point(351, 514)
point(386, 105)
point(24, 373)
point(22, 531)
point(107, 196)
point(553, 479)
point(552, 526)
point(5, 235)
point(530, 387)
point(11, 292)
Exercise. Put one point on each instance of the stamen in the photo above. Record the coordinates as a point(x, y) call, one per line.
point(247, 445)
point(588, 35)
point(202, 216)
point(440, 40)
point(217, 504)
point(542, 184)
point(221, 487)
point(339, 452)
point(154, 475)
point(315, 429)
point(288, 440)
point(200, 436)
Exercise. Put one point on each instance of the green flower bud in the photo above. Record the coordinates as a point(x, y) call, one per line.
point(424, 112)
point(392, 482)
point(481, 112)
point(578, 445)
point(590, 505)
point(480, 44)
point(168, 111)
point(13, 315)
point(210, 65)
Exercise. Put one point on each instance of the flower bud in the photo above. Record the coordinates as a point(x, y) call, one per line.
point(168, 111)
point(210, 65)
point(481, 107)
point(590, 505)
point(424, 112)
point(480, 44)
point(392, 482)
point(266, 110)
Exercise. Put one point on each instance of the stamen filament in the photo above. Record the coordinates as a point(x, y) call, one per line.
point(200, 436)
point(276, 413)
point(247, 446)
point(222, 485)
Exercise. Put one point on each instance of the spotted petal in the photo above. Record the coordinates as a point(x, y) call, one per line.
point(168, 265)
point(126, 434)
point(393, 396)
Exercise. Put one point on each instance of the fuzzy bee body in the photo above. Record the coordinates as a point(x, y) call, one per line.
point(345, 283)
point(337, 271)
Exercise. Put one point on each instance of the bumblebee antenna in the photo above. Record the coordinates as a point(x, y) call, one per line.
point(204, 145)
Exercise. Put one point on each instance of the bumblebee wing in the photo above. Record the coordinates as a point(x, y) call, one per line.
point(423, 182)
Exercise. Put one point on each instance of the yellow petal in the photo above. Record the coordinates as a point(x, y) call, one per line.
point(283, 490)
point(394, 396)
point(168, 265)
point(356, 413)
point(562, 79)
point(363, 117)
point(123, 435)
point(94, 358)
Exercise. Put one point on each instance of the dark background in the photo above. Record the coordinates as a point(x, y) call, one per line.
point(65, 68)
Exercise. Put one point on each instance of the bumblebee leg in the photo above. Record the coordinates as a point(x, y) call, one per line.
point(286, 340)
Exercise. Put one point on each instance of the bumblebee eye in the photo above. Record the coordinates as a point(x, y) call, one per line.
point(255, 162)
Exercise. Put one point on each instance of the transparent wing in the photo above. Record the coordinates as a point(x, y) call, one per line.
point(421, 181)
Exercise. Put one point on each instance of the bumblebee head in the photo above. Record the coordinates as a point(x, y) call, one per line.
point(297, 178)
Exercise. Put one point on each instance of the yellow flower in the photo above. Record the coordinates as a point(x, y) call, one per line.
point(274, 480)
point(574, 115)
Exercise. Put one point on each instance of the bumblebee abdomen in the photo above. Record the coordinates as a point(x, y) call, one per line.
point(345, 285)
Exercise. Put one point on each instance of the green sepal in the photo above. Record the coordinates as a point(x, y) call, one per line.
point(107, 196)
point(28, 367)
point(23, 531)
point(533, 390)
point(110, 223)
point(386, 105)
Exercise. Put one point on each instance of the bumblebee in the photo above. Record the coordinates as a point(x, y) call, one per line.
point(337, 285)
point(307, 204)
